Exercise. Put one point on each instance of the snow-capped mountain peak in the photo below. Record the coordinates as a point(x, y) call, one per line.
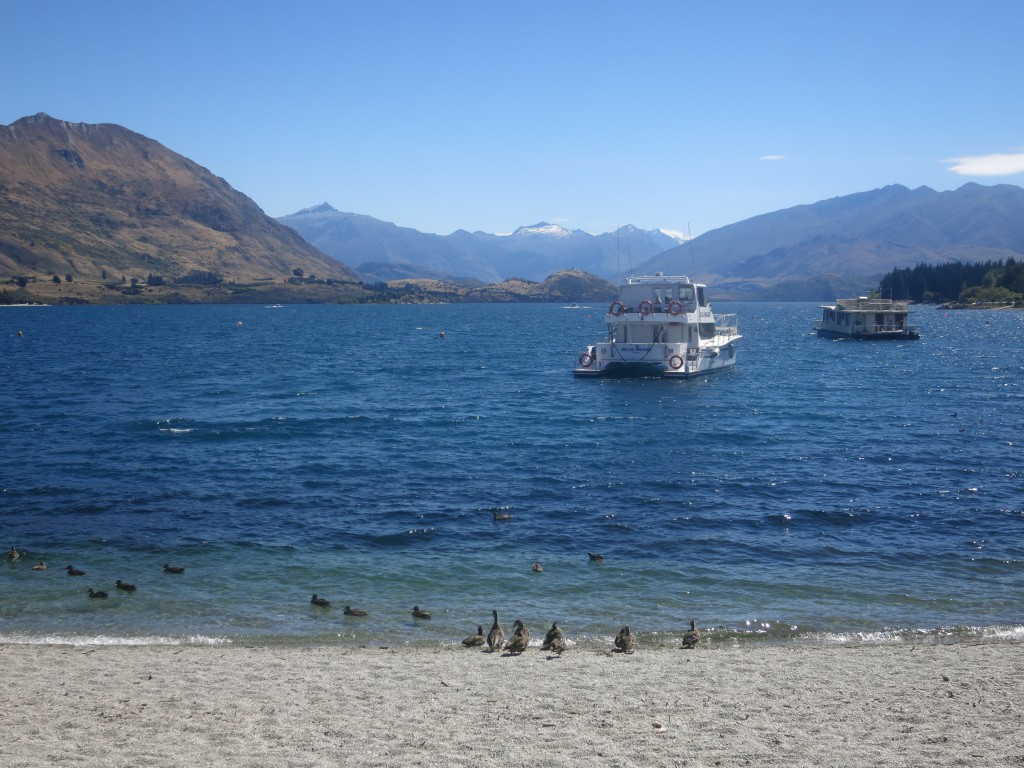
point(543, 229)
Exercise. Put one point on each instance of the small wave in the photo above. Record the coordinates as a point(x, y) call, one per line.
point(79, 640)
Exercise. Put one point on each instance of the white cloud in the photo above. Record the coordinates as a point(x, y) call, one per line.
point(774, 157)
point(988, 165)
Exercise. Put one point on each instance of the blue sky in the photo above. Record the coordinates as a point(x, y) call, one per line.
point(487, 116)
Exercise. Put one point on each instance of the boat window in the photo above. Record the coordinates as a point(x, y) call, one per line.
point(707, 330)
point(701, 298)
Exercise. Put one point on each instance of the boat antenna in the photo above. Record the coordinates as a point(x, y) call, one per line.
point(689, 240)
point(629, 254)
point(618, 265)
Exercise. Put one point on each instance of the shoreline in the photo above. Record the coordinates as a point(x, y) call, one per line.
point(712, 638)
point(277, 706)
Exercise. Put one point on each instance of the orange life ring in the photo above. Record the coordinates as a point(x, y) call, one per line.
point(646, 307)
point(675, 307)
point(617, 308)
point(586, 360)
point(675, 362)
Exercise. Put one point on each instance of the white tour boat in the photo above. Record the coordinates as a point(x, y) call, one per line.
point(864, 318)
point(662, 326)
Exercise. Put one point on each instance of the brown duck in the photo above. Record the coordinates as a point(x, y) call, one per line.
point(692, 637)
point(496, 637)
point(475, 640)
point(554, 640)
point(520, 641)
point(625, 641)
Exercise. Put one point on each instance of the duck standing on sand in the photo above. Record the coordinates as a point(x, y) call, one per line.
point(350, 611)
point(100, 595)
point(625, 641)
point(323, 602)
point(419, 613)
point(554, 640)
point(173, 568)
point(496, 637)
point(520, 641)
point(72, 571)
point(691, 638)
point(474, 640)
point(125, 587)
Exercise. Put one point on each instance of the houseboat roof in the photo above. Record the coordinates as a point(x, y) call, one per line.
point(864, 304)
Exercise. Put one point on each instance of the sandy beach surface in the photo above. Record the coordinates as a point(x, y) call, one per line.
point(959, 704)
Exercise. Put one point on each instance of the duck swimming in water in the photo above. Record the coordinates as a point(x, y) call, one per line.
point(496, 637)
point(419, 613)
point(520, 641)
point(538, 568)
point(474, 640)
point(13, 554)
point(124, 587)
point(40, 566)
point(691, 638)
point(323, 602)
point(93, 593)
point(173, 568)
point(595, 557)
point(625, 641)
point(72, 571)
point(350, 611)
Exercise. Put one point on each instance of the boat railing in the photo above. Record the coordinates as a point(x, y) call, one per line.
point(726, 325)
point(872, 305)
point(894, 328)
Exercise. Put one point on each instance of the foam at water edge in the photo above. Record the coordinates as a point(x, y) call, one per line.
point(78, 640)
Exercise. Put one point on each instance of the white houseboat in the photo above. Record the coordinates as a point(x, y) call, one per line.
point(661, 326)
point(864, 318)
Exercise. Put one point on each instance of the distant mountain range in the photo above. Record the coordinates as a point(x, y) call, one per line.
point(379, 250)
point(847, 243)
point(101, 203)
point(809, 252)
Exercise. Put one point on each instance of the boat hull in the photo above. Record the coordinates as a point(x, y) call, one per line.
point(675, 366)
point(894, 335)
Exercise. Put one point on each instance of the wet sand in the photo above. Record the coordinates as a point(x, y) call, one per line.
point(950, 705)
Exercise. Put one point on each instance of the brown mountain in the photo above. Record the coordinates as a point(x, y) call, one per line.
point(100, 202)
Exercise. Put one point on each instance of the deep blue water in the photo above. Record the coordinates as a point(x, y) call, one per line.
point(818, 490)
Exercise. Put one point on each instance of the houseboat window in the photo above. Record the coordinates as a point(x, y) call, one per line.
point(701, 299)
point(707, 330)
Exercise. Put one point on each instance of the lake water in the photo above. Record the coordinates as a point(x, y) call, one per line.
point(819, 491)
